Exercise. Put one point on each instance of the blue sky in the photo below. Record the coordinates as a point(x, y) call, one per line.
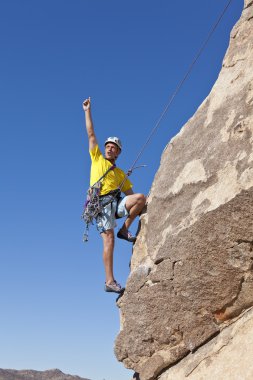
point(129, 57)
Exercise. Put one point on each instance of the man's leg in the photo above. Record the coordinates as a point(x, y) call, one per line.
point(108, 247)
point(134, 206)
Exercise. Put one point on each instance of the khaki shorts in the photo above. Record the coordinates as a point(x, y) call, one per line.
point(106, 220)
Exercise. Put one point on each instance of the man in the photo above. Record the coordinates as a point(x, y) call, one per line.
point(130, 206)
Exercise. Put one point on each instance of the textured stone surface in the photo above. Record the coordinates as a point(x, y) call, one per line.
point(228, 356)
point(54, 374)
point(191, 269)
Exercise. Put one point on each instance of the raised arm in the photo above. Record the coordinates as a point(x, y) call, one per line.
point(89, 124)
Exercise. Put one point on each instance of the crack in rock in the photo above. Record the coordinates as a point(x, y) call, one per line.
point(248, 5)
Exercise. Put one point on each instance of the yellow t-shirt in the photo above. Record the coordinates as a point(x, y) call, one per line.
point(113, 178)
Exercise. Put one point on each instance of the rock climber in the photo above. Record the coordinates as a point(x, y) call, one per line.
point(130, 206)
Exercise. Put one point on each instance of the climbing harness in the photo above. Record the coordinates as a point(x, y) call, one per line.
point(95, 202)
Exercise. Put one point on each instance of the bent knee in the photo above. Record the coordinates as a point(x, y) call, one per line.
point(141, 199)
point(135, 199)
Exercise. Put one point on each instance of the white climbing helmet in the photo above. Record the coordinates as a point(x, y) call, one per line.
point(114, 140)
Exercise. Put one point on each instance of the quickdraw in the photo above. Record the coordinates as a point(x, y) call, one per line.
point(92, 208)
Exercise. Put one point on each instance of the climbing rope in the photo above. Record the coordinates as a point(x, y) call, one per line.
point(180, 84)
point(93, 206)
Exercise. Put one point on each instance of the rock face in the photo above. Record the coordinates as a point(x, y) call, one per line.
point(191, 270)
point(54, 374)
point(227, 356)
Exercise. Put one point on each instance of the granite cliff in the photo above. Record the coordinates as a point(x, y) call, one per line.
point(190, 290)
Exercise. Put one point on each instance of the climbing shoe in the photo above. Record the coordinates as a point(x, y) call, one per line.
point(115, 287)
point(126, 236)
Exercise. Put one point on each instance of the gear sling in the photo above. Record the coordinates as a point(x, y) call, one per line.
point(95, 202)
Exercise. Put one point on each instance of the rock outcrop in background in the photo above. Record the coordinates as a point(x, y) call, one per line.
point(191, 270)
point(53, 374)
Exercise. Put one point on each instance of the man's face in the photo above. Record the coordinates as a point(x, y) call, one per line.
point(111, 151)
